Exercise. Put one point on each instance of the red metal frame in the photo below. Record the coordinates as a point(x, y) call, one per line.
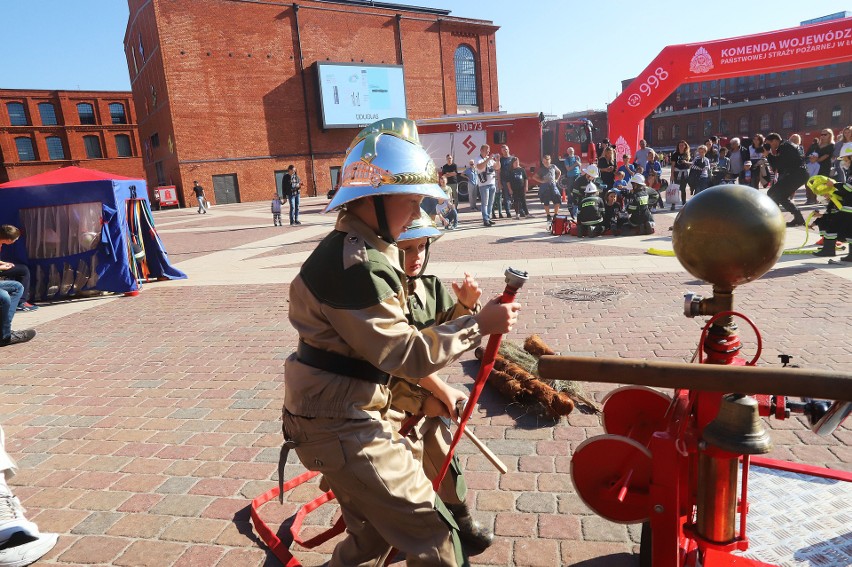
point(673, 492)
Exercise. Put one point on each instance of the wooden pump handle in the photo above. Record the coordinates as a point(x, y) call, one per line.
point(825, 384)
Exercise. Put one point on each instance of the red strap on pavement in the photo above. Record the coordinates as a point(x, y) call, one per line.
point(271, 539)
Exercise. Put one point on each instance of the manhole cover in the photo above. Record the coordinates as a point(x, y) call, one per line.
point(588, 293)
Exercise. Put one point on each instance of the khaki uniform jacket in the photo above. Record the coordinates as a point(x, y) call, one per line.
point(429, 303)
point(350, 299)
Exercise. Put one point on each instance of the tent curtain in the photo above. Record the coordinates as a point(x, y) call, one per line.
point(61, 230)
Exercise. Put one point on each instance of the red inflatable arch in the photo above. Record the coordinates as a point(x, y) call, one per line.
point(805, 46)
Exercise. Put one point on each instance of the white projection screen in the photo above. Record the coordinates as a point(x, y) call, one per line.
point(353, 95)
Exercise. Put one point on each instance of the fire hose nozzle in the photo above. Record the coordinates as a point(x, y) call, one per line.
point(516, 278)
point(692, 304)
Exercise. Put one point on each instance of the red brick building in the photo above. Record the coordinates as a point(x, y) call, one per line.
point(227, 90)
point(45, 130)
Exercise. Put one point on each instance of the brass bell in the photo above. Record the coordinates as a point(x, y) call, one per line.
point(738, 427)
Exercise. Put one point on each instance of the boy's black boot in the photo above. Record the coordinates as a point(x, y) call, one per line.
point(475, 537)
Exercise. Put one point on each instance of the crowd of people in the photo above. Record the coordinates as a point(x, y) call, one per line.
point(500, 184)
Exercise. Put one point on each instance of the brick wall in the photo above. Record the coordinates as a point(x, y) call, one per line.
point(70, 131)
point(235, 101)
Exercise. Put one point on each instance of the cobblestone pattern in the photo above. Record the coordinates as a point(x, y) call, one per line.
point(144, 426)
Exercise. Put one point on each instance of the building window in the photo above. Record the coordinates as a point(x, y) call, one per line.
point(660, 132)
point(141, 49)
point(836, 115)
point(153, 97)
point(499, 137)
point(161, 173)
point(116, 112)
point(675, 131)
point(155, 140)
point(54, 147)
point(47, 113)
point(86, 112)
point(25, 149)
point(690, 130)
point(708, 127)
point(135, 64)
point(122, 145)
point(811, 117)
point(723, 127)
point(93, 147)
point(764, 122)
point(465, 77)
point(787, 120)
point(744, 125)
point(17, 114)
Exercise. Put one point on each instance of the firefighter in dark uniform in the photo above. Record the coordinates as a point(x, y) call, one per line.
point(836, 222)
point(348, 305)
point(578, 191)
point(590, 217)
point(430, 304)
point(639, 217)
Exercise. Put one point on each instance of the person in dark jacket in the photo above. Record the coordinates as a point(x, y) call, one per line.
point(785, 158)
point(639, 219)
point(613, 216)
point(590, 217)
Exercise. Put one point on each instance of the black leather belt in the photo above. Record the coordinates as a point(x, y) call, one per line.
point(339, 364)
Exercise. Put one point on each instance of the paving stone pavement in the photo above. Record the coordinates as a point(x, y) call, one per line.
point(144, 425)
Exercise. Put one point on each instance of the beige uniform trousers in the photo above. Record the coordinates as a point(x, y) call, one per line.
point(430, 444)
point(384, 495)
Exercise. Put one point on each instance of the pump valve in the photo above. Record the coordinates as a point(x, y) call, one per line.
point(692, 304)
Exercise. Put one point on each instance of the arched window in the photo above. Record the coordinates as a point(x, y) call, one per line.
point(708, 127)
point(787, 120)
point(675, 131)
point(25, 149)
point(764, 122)
point(17, 114)
point(86, 112)
point(122, 145)
point(660, 133)
point(811, 117)
point(54, 148)
point(690, 130)
point(743, 125)
point(47, 113)
point(836, 115)
point(723, 127)
point(116, 112)
point(465, 77)
point(93, 147)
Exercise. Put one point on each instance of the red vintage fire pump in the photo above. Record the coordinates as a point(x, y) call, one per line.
point(683, 465)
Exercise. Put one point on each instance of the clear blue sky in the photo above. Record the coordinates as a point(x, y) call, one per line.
point(554, 56)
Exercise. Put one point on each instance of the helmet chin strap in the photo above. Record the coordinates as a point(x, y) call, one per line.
point(382, 219)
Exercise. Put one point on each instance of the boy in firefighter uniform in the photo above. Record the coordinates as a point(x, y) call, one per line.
point(578, 191)
point(348, 305)
point(590, 217)
point(639, 217)
point(430, 304)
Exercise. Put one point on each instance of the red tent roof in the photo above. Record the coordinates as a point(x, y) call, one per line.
point(69, 174)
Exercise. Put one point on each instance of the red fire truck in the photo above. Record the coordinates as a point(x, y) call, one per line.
point(529, 136)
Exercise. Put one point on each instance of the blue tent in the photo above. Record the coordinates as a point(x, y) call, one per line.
point(83, 230)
